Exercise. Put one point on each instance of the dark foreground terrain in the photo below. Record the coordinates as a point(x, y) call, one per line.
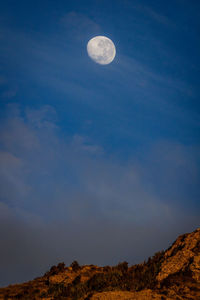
point(171, 274)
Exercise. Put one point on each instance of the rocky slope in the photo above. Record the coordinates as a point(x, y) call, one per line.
point(173, 274)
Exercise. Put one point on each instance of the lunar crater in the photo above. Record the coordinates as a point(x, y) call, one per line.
point(101, 50)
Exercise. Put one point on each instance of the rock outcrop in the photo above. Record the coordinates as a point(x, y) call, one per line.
point(183, 255)
point(173, 274)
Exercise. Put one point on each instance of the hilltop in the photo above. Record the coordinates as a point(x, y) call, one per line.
point(171, 274)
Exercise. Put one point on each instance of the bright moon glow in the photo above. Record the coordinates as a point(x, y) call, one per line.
point(101, 49)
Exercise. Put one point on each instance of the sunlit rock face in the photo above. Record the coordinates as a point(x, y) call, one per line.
point(183, 254)
point(168, 275)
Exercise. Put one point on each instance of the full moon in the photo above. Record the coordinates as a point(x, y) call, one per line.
point(101, 49)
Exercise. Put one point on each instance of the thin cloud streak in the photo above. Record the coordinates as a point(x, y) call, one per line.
point(68, 196)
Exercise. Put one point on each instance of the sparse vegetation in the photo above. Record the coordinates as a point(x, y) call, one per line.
point(119, 277)
point(75, 266)
point(81, 282)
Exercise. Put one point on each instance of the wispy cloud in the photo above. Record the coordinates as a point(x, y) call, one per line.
point(79, 25)
point(84, 144)
point(12, 176)
point(160, 18)
point(50, 65)
point(150, 12)
point(9, 93)
point(70, 191)
point(57, 188)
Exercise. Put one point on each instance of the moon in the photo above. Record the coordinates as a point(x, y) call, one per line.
point(101, 50)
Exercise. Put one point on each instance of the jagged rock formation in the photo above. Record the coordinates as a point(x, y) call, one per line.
point(181, 255)
point(173, 274)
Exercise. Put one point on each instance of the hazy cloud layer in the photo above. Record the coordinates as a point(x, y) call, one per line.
point(63, 198)
point(99, 164)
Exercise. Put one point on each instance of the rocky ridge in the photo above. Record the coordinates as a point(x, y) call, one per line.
point(171, 274)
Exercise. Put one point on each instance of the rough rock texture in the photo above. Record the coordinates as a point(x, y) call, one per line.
point(170, 275)
point(143, 295)
point(184, 253)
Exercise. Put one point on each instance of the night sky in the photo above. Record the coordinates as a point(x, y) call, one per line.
point(98, 163)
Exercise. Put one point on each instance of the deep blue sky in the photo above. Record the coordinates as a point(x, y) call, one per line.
point(98, 163)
